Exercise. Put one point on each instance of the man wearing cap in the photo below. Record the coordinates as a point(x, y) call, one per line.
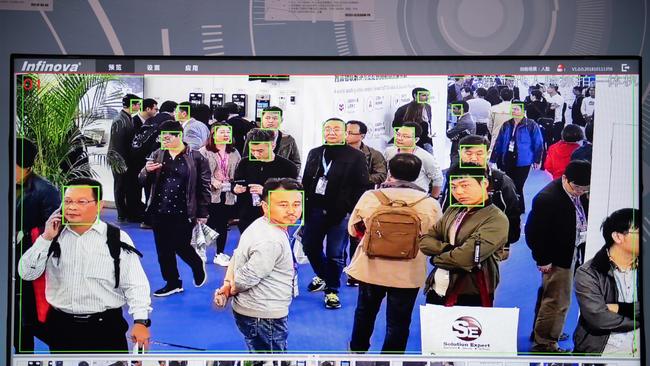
point(556, 231)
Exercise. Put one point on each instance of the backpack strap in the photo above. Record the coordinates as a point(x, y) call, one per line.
point(382, 197)
point(418, 201)
point(115, 246)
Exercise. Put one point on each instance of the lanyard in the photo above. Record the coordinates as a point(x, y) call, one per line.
point(580, 211)
point(455, 226)
point(223, 165)
point(326, 166)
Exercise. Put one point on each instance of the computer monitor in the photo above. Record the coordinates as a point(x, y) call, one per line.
point(508, 301)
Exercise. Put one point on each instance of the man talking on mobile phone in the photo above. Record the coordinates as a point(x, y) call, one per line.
point(92, 270)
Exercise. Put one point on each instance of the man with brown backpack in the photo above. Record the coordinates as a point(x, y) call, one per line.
point(388, 263)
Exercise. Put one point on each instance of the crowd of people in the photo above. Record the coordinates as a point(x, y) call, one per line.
point(378, 217)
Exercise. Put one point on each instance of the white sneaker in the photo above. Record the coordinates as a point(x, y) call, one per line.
point(221, 259)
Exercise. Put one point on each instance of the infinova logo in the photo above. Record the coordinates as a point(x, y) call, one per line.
point(44, 66)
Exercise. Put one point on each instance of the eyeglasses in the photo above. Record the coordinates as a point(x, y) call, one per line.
point(577, 188)
point(82, 202)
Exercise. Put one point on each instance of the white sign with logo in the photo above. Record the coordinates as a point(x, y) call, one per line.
point(468, 330)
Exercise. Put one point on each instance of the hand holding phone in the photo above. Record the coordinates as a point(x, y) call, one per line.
point(53, 225)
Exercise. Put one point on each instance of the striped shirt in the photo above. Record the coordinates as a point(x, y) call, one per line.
point(82, 279)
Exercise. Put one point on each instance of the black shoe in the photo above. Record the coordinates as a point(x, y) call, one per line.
point(168, 290)
point(351, 282)
point(317, 284)
point(145, 226)
point(200, 277)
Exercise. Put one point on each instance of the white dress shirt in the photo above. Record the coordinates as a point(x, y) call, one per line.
point(430, 173)
point(559, 100)
point(82, 279)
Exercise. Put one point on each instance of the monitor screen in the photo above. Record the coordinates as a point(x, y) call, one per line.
point(367, 210)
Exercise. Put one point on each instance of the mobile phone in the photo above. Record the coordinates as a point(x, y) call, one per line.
point(150, 159)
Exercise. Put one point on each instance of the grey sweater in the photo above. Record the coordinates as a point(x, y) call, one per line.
point(264, 272)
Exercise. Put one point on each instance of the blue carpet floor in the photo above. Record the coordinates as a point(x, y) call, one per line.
point(189, 319)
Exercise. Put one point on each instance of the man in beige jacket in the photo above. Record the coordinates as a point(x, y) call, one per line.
point(397, 279)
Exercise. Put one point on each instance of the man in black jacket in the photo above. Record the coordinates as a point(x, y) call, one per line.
point(252, 172)
point(335, 177)
point(501, 189)
point(556, 231)
point(180, 197)
point(576, 115)
point(36, 199)
point(125, 183)
point(421, 96)
point(240, 126)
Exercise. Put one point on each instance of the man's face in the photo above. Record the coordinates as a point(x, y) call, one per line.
point(628, 241)
point(460, 81)
point(284, 208)
point(260, 150)
point(510, 83)
point(352, 134)
point(135, 107)
point(474, 155)
point(552, 90)
point(222, 135)
point(457, 110)
point(181, 115)
point(468, 191)
point(151, 112)
point(405, 137)
point(574, 189)
point(171, 140)
point(423, 96)
point(334, 132)
point(80, 205)
point(517, 110)
point(592, 92)
point(271, 119)
point(577, 92)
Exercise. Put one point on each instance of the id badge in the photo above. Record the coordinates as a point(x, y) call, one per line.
point(321, 186)
point(511, 146)
point(582, 236)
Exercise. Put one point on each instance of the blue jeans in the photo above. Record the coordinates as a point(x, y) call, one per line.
point(263, 335)
point(399, 309)
point(329, 265)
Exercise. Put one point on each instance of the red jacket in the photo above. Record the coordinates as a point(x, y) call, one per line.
point(558, 157)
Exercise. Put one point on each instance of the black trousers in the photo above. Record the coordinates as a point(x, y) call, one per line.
point(128, 195)
point(97, 333)
point(399, 307)
point(557, 131)
point(173, 234)
point(463, 300)
point(220, 213)
point(518, 174)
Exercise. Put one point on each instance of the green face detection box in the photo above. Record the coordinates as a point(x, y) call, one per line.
point(459, 107)
point(302, 210)
point(271, 113)
point(520, 105)
point(423, 93)
point(132, 102)
point(395, 132)
point(485, 155)
point(180, 136)
point(63, 205)
point(214, 136)
point(451, 196)
point(252, 157)
point(335, 144)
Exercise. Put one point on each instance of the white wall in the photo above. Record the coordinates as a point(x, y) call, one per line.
point(318, 98)
point(614, 171)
